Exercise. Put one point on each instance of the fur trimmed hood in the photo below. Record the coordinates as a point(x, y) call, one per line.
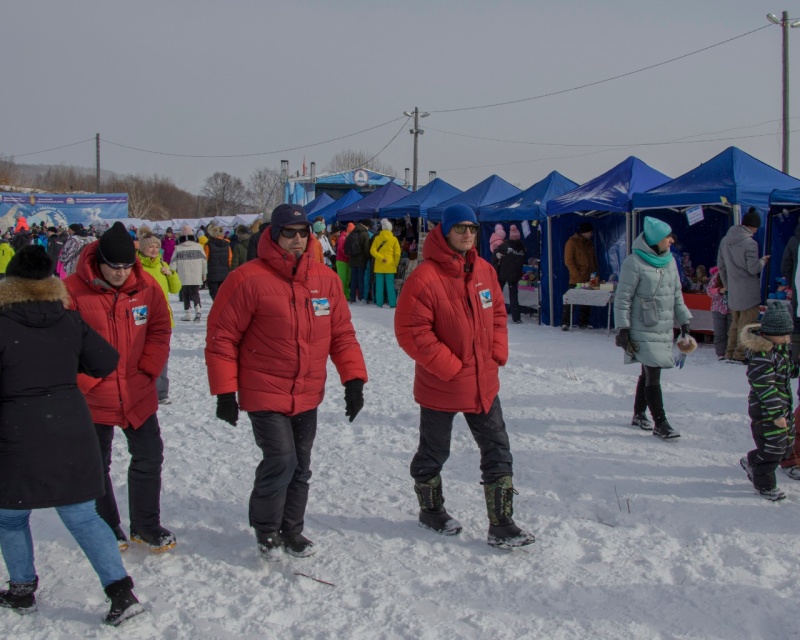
point(14, 290)
point(751, 339)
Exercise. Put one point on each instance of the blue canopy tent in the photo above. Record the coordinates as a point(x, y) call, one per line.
point(368, 206)
point(528, 205)
point(605, 199)
point(321, 201)
point(782, 220)
point(417, 204)
point(489, 191)
point(724, 186)
point(329, 212)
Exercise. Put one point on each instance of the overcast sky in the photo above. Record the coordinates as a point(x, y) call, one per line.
point(234, 77)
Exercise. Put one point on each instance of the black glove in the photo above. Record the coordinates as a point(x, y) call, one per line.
point(684, 329)
point(353, 398)
point(623, 340)
point(228, 408)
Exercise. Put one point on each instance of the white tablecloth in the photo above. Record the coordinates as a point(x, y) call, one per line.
point(589, 297)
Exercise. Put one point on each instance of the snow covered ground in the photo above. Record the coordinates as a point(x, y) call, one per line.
point(636, 537)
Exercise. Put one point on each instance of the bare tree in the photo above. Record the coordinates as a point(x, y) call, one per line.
point(350, 159)
point(225, 194)
point(8, 170)
point(265, 189)
point(140, 197)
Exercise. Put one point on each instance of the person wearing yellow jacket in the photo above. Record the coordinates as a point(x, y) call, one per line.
point(150, 256)
point(385, 250)
point(6, 253)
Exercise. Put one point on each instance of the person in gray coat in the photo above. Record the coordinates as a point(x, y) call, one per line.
point(740, 272)
point(646, 305)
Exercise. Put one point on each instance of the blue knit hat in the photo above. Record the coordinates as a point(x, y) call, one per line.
point(456, 213)
point(655, 230)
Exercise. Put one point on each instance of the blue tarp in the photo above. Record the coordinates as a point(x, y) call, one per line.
point(731, 177)
point(609, 192)
point(491, 190)
point(369, 205)
point(321, 201)
point(784, 215)
point(417, 204)
point(329, 213)
point(605, 200)
point(529, 204)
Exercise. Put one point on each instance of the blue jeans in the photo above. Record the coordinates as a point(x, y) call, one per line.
point(90, 532)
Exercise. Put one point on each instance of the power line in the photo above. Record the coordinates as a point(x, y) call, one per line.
point(394, 137)
point(251, 155)
point(592, 153)
point(592, 84)
point(63, 146)
point(681, 140)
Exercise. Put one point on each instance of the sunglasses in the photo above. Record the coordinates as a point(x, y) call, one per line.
point(116, 266)
point(463, 228)
point(291, 233)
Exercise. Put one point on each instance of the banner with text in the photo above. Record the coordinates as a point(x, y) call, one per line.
point(61, 209)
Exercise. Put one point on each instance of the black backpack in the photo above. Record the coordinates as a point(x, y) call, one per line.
point(352, 245)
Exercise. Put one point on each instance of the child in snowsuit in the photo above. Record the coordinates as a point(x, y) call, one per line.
point(769, 373)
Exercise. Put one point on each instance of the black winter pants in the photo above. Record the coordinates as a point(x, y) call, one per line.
point(513, 298)
point(280, 491)
point(213, 287)
point(144, 475)
point(772, 446)
point(190, 294)
point(488, 429)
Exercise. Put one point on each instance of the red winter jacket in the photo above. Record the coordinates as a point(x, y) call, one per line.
point(273, 325)
point(135, 319)
point(451, 319)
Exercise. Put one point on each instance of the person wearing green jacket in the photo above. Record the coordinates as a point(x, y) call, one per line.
point(648, 301)
point(6, 253)
point(150, 257)
point(385, 251)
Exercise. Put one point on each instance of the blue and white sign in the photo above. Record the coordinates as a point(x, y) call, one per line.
point(61, 209)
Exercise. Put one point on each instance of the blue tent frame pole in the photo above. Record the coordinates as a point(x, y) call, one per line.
point(550, 269)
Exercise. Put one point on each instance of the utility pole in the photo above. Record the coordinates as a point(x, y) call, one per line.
point(785, 24)
point(416, 132)
point(97, 163)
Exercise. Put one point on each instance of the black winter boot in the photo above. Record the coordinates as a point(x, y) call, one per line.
point(500, 507)
point(270, 546)
point(159, 539)
point(432, 514)
point(297, 545)
point(124, 604)
point(655, 401)
point(19, 596)
point(640, 407)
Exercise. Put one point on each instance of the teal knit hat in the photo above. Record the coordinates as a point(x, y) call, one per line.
point(655, 230)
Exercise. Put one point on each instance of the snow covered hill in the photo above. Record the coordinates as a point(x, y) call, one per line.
point(636, 537)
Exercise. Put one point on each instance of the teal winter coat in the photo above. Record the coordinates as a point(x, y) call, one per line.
point(642, 285)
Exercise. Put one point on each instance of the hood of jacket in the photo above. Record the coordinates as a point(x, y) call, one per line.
point(753, 340)
point(436, 248)
point(739, 234)
point(283, 262)
point(33, 303)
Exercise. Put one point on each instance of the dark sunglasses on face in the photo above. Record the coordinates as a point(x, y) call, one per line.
point(291, 233)
point(463, 228)
point(116, 266)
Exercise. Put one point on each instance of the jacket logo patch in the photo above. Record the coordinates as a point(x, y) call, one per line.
point(322, 306)
point(486, 298)
point(140, 314)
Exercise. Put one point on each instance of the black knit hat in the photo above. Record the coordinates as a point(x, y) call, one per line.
point(751, 218)
point(116, 246)
point(777, 321)
point(31, 262)
point(285, 214)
